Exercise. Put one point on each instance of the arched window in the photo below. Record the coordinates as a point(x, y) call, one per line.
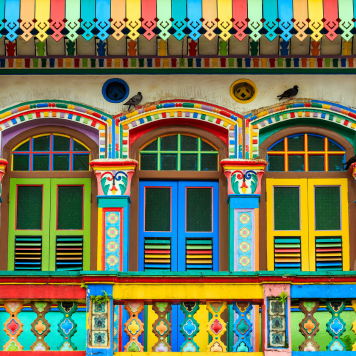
point(179, 152)
point(50, 152)
point(305, 153)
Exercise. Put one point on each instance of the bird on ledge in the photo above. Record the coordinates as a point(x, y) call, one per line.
point(290, 93)
point(134, 101)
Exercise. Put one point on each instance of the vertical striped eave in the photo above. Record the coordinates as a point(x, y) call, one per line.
point(103, 13)
point(12, 15)
point(58, 13)
point(300, 14)
point(255, 15)
point(87, 14)
point(316, 14)
point(210, 13)
point(225, 16)
point(239, 14)
point(164, 14)
point(194, 14)
point(72, 17)
point(346, 14)
point(149, 15)
point(285, 14)
point(331, 15)
point(133, 15)
point(42, 15)
point(270, 14)
point(27, 15)
point(179, 14)
point(118, 14)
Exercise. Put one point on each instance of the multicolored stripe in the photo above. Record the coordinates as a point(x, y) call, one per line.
point(287, 253)
point(199, 254)
point(157, 253)
point(328, 253)
point(69, 254)
point(28, 253)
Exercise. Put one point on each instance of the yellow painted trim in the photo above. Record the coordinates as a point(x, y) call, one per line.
point(28, 139)
point(303, 232)
point(344, 232)
point(149, 113)
point(100, 237)
point(232, 94)
point(81, 143)
point(109, 168)
point(187, 291)
point(243, 167)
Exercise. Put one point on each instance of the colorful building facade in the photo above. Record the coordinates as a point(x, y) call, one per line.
point(209, 216)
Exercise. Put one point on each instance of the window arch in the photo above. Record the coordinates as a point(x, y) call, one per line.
point(180, 152)
point(305, 152)
point(50, 152)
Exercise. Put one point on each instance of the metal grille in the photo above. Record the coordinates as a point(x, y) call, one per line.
point(61, 162)
point(286, 208)
point(206, 147)
point(278, 146)
point(151, 146)
point(61, 143)
point(199, 254)
point(80, 162)
point(168, 162)
point(209, 162)
point(296, 163)
point(148, 162)
point(336, 163)
point(69, 253)
point(327, 208)
point(24, 147)
point(29, 208)
point(169, 143)
point(276, 163)
point(41, 143)
point(189, 162)
point(328, 253)
point(199, 209)
point(334, 147)
point(296, 143)
point(189, 143)
point(70, 208)
point(21, 162)
point(40, 162)
point(287, 253)
point(157, 209)
point(315, 143)
point(28, 253)
point(78, 146)
point(157, 253)
point(316, 163)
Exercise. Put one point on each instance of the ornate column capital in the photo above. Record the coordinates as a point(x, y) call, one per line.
point(3, 168)
point(244, 175)
point(114, 176)
point(353, 170)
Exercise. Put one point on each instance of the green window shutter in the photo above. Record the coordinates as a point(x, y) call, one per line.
point(70, 224)
point(199, 209)
point(286, 208)
point(29, 215)
point(327, 208)
point(157, 209)
point(157, 253)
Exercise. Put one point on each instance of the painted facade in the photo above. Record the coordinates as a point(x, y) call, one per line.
point(209, 217)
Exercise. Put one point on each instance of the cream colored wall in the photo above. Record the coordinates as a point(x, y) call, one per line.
point(213, 89)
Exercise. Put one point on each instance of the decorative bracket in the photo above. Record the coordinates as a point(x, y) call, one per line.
point(353, 170)
point(114, 175)
point(3, 168)
point(244, 175)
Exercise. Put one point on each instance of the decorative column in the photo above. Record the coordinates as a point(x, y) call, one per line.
point(244, 189)
point(276, 330)
point(114, 188)
point(3, 168)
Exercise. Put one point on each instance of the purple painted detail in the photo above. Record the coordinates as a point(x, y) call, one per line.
point(78, 108)
point(6, 124)
point(315, 114)
point(134, 123)
point(141, 111)
point(231, 134)
point(102, 142)
point(208, 108)
point(334, 108)
point(270, 111)
point(263, 124)
point(62, 115)
point(13, 131)
point(14, 111)
point(187, 114)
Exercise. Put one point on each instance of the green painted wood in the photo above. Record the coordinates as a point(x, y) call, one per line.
point(85, 233)
point(43, 233)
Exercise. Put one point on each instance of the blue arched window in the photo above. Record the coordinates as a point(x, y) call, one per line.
point(305, 153)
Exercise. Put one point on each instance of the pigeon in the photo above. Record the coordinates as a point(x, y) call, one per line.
point(289, 93)
point(135, 100)
point(349, 162)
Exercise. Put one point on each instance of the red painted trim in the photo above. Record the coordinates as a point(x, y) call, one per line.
point(35, 292)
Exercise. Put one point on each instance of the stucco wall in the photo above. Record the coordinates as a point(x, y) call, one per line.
point(214, 89)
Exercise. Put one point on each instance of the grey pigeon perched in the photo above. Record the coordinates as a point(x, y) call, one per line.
point(289, 93)
point(349, 162)
point(135, 100)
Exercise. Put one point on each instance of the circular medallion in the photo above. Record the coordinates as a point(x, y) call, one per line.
point(244, 261)
point(112, 260)
point(112, 232)
point(244, 232)
point(112, 218)
point(244, 218)
point(244, 246)
point(243, 91)
point(112, 246)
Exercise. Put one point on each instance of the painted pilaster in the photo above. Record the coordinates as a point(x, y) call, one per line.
point(244, 189)
point(276, 330)
point(3, 168)
point(114, 189)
